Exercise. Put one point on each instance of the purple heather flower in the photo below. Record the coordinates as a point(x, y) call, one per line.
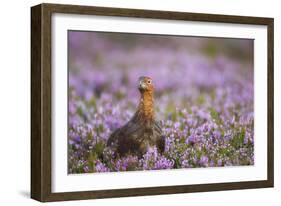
point(192, 139)
point(163, 163)
point(219, 162)
point(204, 161)
point(177, 125)
point(100, 167)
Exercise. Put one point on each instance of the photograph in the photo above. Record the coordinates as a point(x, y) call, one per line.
point(152, 102)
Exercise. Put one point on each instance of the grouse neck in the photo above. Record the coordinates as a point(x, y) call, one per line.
point(146, 106)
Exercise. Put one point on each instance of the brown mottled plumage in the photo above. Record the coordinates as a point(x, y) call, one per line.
point(142, 131)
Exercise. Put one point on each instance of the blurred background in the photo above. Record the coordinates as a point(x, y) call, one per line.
point(110, 63)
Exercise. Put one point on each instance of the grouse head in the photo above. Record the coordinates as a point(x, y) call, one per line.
point(145, 84)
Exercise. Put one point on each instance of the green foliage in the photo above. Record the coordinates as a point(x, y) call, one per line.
point(238, 139)
point(215, 116)
point(210, 49)
point(201, 99)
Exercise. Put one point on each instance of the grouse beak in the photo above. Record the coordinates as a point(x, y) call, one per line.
point(142, 86)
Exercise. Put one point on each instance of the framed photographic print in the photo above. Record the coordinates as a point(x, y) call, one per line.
point(132, 102)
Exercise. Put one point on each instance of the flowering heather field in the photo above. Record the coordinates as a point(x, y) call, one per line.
point(203, 99)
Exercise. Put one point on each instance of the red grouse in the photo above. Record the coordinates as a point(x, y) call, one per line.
point(142, 131)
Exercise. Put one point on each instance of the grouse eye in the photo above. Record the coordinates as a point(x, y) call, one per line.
point(149, 81)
